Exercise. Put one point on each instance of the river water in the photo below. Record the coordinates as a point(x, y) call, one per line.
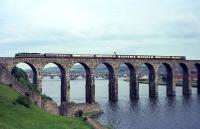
point(180, 112)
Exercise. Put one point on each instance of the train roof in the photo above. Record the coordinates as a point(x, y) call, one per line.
point(27, 53)
point(156, 56)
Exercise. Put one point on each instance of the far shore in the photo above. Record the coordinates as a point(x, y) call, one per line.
point(177, 84)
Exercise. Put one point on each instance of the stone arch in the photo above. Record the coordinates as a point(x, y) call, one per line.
point(153, 87)
point(60, 66)
point(108, 66)
point(113, 81)
point(89, 85)
point(186, 79)
point(33, 68)
point(170, 87)
point(63, 80)
point(86, 67)
point(133, 84)
point(197, 65)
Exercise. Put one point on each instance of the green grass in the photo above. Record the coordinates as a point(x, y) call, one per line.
point(19, 117)
point(88, 114)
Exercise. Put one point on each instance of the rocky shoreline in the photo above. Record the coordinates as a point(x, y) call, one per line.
point(85, 110)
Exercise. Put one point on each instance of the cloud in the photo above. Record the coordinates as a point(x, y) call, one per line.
point(125, 26)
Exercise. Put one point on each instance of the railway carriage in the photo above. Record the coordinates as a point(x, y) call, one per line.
point(28, 55)
point(59, 55)
point(54, 55)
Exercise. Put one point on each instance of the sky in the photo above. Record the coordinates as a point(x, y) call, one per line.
point(133, 27)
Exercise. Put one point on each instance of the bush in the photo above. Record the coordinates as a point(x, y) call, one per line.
point(24, 101)
point(22, 77)
point(85, 118)
point(19, 73)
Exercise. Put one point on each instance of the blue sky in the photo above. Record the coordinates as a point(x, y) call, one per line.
point(155, 27)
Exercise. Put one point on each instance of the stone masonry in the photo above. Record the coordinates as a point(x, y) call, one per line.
point(113, 65)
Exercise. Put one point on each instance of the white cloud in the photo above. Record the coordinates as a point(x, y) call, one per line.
point(125, 26)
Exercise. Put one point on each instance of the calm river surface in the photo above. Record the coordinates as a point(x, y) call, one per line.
point(163, 113)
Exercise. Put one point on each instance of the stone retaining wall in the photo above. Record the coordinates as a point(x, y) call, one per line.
point(70, 109)
point(50, 106)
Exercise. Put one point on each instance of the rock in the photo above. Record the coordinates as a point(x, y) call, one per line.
point(50, 106)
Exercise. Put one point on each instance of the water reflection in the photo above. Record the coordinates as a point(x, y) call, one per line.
point(179, 112)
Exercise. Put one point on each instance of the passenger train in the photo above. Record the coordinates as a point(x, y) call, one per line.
point(58, 55)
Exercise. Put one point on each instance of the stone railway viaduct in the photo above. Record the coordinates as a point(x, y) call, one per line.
point(113, 65)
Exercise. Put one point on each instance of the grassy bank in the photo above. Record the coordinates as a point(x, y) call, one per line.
point(16, 116)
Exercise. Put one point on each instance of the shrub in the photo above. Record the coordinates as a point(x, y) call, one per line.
point(85, 118)
point(14, 103)
point(19, 73)
point(24, 101)
point(22, 77)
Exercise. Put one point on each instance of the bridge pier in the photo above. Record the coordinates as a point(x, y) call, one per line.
point(37, 79)
point(171, 84)
point(187, 87)
point(153, 84)
point(197, 65)
point(113, 86)
point(134, 86)
point(90, 86)
point(198, 82)
point(39, 83)
point(171, 80)
point(64, 89)
point(187, 82)
point(65, 85)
